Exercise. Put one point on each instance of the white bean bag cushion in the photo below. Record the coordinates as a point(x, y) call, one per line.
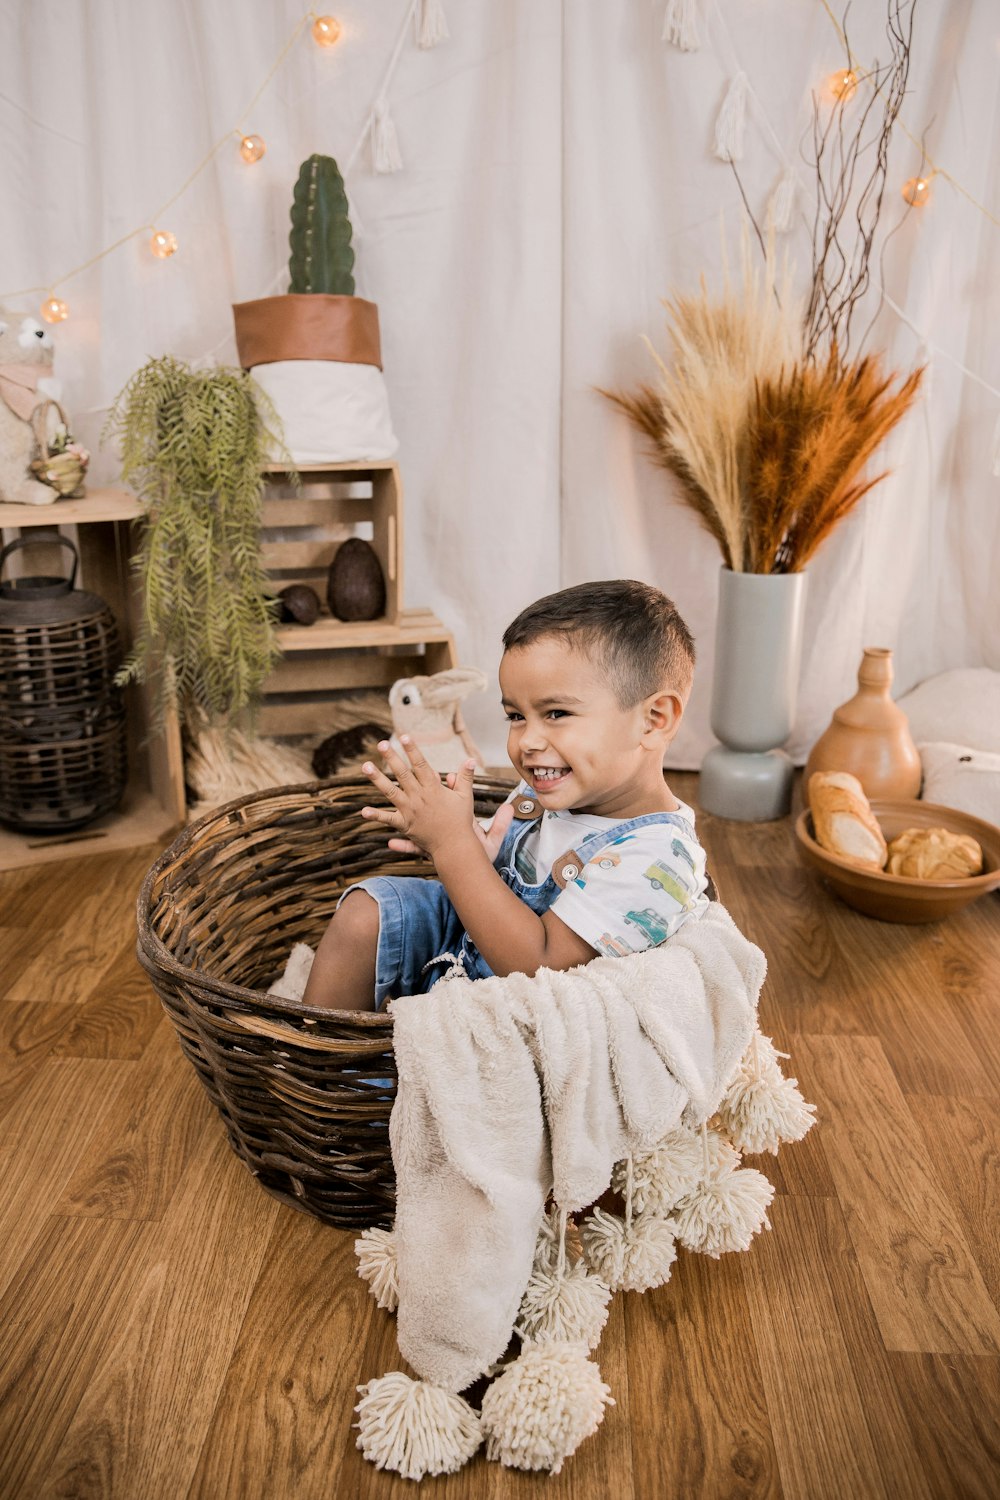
point(331, 412)
point(961, 707)
point(958, 776)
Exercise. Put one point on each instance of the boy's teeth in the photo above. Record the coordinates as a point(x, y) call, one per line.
point(548, 773)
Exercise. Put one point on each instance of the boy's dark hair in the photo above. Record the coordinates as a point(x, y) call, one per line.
point(643, 643)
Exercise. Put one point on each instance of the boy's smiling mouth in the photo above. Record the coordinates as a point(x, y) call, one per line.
point(544, 778)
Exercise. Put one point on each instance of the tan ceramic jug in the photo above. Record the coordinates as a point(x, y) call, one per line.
point(870, 736)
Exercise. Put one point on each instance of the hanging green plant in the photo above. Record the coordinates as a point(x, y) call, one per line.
point(194, 443)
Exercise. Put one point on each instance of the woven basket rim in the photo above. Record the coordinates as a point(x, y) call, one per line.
point(154, 955)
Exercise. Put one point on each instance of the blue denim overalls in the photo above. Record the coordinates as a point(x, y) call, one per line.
point(527, 813)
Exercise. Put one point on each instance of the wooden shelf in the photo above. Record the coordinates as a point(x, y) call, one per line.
point(141, 819)
point(415, 627)
point(96, 505)
point(355, 466)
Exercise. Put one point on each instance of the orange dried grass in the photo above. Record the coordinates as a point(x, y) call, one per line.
point(794, 458)
point(809, 436)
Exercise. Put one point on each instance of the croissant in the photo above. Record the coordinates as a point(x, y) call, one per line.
point(843, 820)
point(934, 854)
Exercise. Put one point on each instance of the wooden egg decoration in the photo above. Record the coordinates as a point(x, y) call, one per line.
point(356, 585)
point(299, 605)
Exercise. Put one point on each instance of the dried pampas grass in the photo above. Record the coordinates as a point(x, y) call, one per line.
point(768, 445)
point(696, 416)
point(810, 434)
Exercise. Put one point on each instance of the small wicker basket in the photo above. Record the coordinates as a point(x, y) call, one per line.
point(304, 1094)
point(61, 467)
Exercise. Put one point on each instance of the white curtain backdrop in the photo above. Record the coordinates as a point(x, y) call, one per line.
point(558, 181)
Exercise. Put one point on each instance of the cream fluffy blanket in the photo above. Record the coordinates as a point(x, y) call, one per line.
point(513, 1088)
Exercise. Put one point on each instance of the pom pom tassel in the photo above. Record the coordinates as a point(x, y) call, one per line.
point(432, 26)
point(731, 121)
point(724, 1212)
point(672, 1169)
point(680, 24)
point(781, 208)
point(632, 1254)
point(538, 1412)
point(376, 1253)
point(762, 1108)
point(414, 1428)
point(562, 1303)
point(385, 144)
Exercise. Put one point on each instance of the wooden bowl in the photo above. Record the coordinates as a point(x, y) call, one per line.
point(899, 898)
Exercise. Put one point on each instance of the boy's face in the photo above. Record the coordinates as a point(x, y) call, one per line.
point(570, 739)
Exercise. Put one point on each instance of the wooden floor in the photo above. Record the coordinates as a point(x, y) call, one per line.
point(167, 1330)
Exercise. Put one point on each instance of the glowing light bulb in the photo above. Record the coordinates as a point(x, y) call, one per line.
point(54, 310)
point(252, 148)
point(163, 244)
point(842, 85)
point(326, 31)
point(917, 191)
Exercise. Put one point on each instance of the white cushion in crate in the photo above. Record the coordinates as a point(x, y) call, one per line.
point(331, 412)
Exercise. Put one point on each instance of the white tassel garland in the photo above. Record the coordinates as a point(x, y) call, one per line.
point(414, 1428)
point(376, 1253)
point(538, 1412)
point(724, 1212)
point(762, 1108)
point(680, 24)
point(731, 121)
point(432, 26)
point(562, 1303)
point(781, 207)
point(385, 144)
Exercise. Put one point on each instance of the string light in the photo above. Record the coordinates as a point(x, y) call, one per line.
point(252, 148)
point(917, 191)
point(842, 85)
point(326, 31)
point(54, 310)
point(936, 170)
point(163, 244)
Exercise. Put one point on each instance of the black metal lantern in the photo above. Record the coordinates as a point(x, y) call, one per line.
point(63, 758)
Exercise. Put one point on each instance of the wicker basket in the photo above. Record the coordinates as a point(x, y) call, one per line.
point(305, 1094)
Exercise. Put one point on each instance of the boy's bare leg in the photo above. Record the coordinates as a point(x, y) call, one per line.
point(343, 971)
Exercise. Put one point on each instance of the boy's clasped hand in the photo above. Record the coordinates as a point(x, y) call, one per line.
point(429, 812)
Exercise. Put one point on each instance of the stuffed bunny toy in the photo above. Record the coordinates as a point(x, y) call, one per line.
point(25, 380)
point(428, 709)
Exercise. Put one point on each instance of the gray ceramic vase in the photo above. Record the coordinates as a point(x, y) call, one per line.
point(758, 652)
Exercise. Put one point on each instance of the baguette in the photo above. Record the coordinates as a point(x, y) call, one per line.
point(843, 820)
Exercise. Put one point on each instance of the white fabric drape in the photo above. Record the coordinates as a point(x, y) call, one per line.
point(558, 180)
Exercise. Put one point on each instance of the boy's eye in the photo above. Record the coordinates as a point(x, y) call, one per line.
point(513, 718)
point(558, 713)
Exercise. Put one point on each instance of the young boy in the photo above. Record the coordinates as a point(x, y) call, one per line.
point(592, 853)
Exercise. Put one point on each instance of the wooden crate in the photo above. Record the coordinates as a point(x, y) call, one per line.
point(325, 660)
point(322, 662)
point(153, 805)
point(303, 528)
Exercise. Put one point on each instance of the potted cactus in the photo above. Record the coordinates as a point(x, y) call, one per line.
point(315, 351)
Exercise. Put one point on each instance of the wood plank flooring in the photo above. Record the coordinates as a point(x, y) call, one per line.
point(169, 1332)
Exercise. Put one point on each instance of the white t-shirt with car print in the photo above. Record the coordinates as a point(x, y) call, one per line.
point(634, 891)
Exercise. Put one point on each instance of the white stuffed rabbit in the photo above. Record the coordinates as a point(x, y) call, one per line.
point(428, 709)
